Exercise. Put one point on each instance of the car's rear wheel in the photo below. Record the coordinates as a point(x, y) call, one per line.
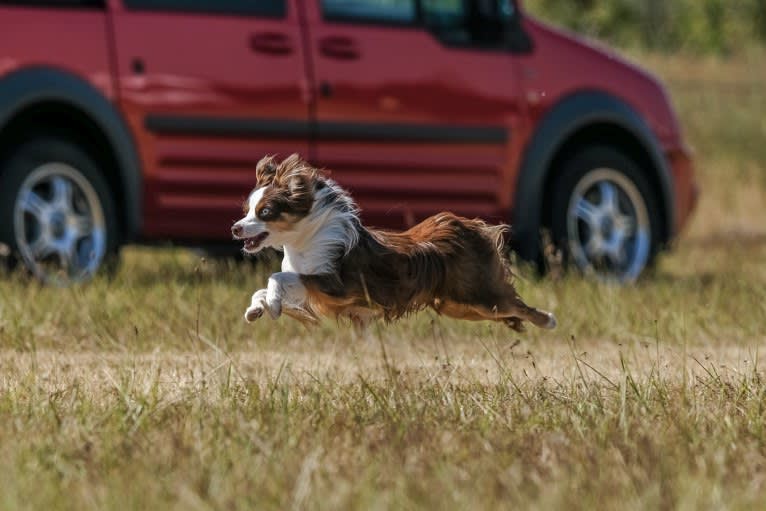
point(605, 216)
point(56, 212)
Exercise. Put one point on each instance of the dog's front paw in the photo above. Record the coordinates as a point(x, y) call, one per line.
point(253, 312)
point(257, 306)
point(263, 301)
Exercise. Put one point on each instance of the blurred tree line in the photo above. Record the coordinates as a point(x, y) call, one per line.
point(700, 26)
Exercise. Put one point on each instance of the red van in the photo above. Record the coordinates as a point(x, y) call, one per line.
point(136, 121)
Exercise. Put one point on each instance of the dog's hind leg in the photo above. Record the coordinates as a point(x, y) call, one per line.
point(511, 311)
point(504, 304)
point(513, 314)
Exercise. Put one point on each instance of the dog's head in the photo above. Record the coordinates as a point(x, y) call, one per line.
point(282, 197)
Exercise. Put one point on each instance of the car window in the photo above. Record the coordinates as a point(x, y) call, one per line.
point(447, 19)
point(383, 11)
point(270, 8)
point(463, 23)
point(475, 23)
point(53, 3)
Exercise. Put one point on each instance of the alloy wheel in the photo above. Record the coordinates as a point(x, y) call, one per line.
point(59, 224)
point(608, 226)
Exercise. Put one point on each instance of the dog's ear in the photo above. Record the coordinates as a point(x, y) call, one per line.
point(293, 163)
point(301, 192)
point(296, 177)
point(298, 184)
point(265, 171)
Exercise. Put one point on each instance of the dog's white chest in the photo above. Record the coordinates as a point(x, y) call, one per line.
point(289, 261)
point(306, 263)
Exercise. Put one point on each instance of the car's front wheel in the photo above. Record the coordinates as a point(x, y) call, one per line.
point(605, 215)
point(56, 212)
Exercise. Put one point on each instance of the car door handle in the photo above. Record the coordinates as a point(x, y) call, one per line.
point(339, 47)
point(271, 43)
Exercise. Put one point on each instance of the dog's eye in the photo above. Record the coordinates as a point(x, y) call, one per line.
point(266, 213)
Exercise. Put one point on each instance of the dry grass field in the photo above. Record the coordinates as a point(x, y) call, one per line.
point(150, 392)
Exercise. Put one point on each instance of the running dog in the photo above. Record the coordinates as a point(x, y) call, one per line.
point(333, 266)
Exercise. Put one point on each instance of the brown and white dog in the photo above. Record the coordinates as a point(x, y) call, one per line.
point(334, 266)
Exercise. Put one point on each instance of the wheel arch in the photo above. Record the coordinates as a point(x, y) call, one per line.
point(47, 101)
point(585, 118)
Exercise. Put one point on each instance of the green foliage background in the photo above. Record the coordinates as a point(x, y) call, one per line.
point(694, 26)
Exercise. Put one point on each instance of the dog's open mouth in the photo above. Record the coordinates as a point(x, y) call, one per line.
point(252, 244)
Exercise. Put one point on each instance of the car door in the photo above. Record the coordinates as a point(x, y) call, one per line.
point(208, 87)
point(418, 104)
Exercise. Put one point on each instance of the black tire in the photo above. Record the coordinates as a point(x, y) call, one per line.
point(82, 172)
point(587, 171)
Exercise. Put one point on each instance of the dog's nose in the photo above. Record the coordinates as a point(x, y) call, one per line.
point(236, 230)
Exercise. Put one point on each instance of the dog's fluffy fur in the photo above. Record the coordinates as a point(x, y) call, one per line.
point(334, 266)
